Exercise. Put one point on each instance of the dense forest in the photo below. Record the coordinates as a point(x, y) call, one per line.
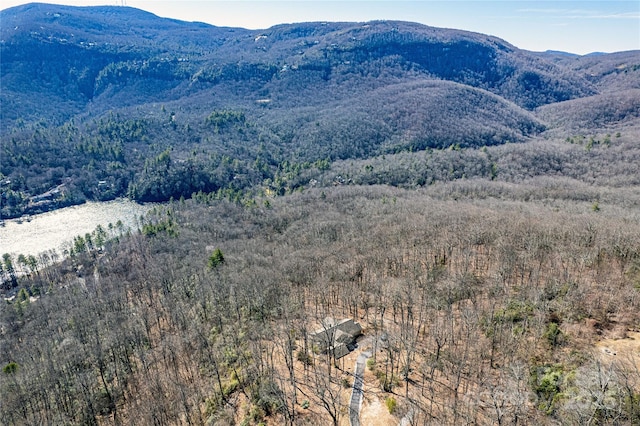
point(485, 299)
point(473, 206)
point(178, 108)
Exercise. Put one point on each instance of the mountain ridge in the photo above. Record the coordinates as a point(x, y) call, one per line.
point(96, 94)
point(319, 46)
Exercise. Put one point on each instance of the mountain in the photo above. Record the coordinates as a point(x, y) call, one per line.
point(119, 95)
point(80, 57)
point(561, 53)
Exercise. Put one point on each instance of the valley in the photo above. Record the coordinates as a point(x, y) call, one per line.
point(232, 110)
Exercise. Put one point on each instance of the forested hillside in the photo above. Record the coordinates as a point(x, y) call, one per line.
point(487, 294)
point(107, 102)
point(473, 206)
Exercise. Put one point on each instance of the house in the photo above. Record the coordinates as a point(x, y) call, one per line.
point(336, 337)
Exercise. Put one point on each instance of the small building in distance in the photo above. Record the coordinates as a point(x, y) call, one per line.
point(336, 337)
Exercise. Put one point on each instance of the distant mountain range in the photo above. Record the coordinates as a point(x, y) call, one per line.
point(129, 85)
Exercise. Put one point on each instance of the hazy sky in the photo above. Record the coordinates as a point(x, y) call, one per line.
point(571, 25)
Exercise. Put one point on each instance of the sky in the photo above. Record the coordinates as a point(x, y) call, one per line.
point(575, 26)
